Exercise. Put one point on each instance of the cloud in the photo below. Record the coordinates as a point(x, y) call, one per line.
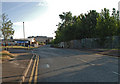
point(18, 23)
point(42, 3)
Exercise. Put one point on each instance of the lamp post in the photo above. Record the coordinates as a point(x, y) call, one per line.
point(119, 9)
point(24, 33)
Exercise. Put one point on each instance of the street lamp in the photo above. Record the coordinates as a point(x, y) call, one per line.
point(24, 33)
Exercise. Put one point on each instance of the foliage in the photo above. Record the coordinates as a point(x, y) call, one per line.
point(6, 28)
point(88, 25)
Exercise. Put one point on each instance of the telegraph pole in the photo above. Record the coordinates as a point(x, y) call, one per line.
point(119, 19)
point(24, 33)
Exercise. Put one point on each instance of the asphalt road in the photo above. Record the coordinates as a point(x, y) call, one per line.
point(70, 65)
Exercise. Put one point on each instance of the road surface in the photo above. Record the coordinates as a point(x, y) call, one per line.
point(70, 65)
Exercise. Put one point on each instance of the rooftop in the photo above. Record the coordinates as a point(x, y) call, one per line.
point(39, 37)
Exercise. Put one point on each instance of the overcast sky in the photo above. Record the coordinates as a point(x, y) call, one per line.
point(42, 16)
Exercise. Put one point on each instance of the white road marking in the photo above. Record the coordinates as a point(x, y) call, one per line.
point(47, 65)
point(87, 62)
point(115, 73)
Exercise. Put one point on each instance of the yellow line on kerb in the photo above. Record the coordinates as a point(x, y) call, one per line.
point(36, 72)
point(31, 76)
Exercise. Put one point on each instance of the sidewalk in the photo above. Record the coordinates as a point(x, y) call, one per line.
point(13, 69)
point(110, 52)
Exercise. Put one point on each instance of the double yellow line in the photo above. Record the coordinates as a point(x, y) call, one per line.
point(34, 72)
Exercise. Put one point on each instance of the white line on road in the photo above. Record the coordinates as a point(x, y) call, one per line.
point(115, 73)
point(48, 66)
point(87, 62)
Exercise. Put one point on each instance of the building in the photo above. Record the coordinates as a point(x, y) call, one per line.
point(41, 39)
point(33, 42)
point(119, 9)
point(15, 42)
point(21, 42)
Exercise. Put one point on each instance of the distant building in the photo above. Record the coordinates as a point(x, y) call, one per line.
point(21, 42)
point(119, 9)
point(15, 42)
point(33, 42)
point(41, 39)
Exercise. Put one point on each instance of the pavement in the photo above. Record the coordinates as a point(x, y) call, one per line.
point(109, 52)
point(12, 70)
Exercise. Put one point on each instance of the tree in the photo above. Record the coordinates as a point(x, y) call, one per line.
point(6, 28)
point(66, 17)
point(116, 21)
point(62, 33)
point(106, 25)
point(88, 25)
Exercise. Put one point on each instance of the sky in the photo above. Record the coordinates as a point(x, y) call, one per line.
point(40, 17)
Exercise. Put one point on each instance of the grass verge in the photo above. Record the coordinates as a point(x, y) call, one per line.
point(19, 47)
point(5, 55)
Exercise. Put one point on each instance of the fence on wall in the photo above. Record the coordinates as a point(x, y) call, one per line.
point(111, 42)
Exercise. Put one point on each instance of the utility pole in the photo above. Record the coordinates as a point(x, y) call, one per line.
point(24, 33)
point(119, 9)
